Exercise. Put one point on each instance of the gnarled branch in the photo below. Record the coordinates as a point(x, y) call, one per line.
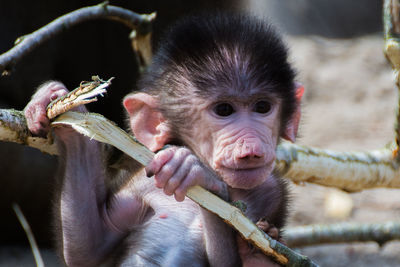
point(27, 43)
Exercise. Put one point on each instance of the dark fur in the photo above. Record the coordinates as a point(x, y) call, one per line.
point(199, 56)
point(194, 53)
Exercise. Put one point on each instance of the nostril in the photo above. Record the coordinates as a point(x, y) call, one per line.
point(248, 150)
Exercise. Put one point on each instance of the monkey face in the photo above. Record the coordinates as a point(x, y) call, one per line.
point(238, 138)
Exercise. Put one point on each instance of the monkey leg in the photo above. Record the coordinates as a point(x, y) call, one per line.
point(252, 257)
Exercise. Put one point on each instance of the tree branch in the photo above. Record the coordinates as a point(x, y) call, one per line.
point(349, 171)
point(13, 128)
point(342, 233)
point(27, 43)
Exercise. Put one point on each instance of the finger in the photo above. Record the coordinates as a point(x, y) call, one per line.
point(42, 123)
point(195, 174)
point(169, 169)
point(273, 232)
point(36, 119)
point(263, 225)
point(159, 160)
point(180, 174)
point(60, 92)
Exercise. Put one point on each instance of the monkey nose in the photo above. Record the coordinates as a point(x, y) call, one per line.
point(249, 151)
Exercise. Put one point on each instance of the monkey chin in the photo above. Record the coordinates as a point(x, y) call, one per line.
point(245, 178)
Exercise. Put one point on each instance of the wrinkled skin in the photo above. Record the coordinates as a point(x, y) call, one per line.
point(239, 148)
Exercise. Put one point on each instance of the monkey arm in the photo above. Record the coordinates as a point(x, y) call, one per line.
point(83, 200)
point(219, 238)
point(83, 195)
point(220, 241)
point(103, 222)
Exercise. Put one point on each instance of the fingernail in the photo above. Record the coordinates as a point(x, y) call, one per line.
point(149, 173)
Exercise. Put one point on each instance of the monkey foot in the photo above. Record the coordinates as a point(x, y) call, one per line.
point(270, 230)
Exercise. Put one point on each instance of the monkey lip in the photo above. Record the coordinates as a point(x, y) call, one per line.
point(247, 169)
point(244, 178)
point(244, 167)
point(250, 171)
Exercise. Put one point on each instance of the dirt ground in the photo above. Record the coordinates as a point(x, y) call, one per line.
point(349, 104)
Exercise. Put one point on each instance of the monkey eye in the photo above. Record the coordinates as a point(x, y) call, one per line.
point(262, 107)
point(224, 109)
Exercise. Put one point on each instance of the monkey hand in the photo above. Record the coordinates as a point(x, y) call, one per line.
point(253, 257)
point(175, 169)
point(35, 110)
point(271, 230)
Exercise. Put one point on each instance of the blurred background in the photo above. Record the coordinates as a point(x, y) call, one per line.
point(349, 104)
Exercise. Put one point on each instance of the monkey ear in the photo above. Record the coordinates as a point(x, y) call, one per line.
point(147, 123)
point(293, 125)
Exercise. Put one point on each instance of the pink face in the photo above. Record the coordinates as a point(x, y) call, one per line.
point(238, 136)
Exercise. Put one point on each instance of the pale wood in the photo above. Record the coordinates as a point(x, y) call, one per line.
point(349, 171)
point(13, 128)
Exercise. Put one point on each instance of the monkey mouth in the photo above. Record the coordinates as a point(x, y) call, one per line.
point(244, 167)
point(245, 177)
point(251, 172)
point(250, 169)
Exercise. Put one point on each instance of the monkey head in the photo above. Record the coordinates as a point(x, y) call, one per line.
point(223, 87)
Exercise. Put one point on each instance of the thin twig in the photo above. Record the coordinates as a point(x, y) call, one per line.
point(29, 234)
point(342, 233)
point(28, 42)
